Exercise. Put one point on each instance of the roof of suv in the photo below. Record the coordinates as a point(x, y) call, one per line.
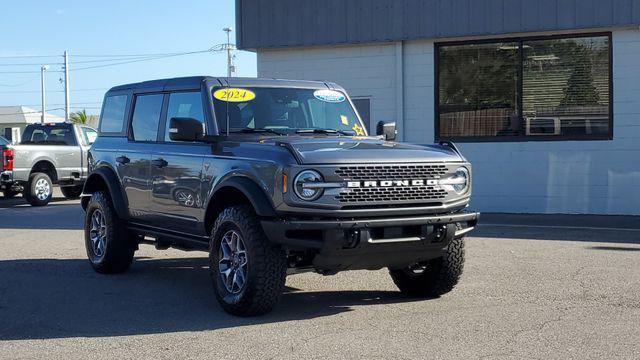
point(194, 82)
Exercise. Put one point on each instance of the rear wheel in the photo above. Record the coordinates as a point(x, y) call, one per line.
point(247, 270)
point(39, 189)
point(110, 246)
point(71, 192)
point(434, 277)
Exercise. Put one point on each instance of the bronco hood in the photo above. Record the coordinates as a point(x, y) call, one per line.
point(349, 150)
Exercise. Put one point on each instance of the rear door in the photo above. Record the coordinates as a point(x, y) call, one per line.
point(134, 162)
point(177, 197)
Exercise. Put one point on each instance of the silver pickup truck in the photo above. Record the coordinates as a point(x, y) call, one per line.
point(48, 154)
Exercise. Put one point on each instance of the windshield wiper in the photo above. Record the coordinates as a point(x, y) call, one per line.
point(325, 131)
point(257, 130)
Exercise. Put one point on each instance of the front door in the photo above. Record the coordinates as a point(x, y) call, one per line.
point(177, 197)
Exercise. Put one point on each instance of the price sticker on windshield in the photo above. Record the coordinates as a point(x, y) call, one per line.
point(234, 95)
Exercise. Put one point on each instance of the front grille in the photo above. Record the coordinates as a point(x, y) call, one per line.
point(387, 172)
point(382, 194)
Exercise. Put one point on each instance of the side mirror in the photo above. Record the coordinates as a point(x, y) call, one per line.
point(387, 130)
point(185, 129)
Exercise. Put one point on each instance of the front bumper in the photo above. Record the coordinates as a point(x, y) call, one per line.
point(371, 243)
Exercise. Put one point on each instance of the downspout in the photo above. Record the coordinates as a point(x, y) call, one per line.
point(400, 90)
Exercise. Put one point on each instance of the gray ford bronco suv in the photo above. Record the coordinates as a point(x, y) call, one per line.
point(271, 177)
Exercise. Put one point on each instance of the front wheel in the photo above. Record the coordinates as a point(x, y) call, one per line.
point(110, 246)
point(247, 270)
point(39, 189)
point(71, 192)
point(434, 277)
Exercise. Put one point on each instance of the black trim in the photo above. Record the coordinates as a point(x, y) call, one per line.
point(181, 241)
point(251, 191)
point(519, 138)
point(113, 186)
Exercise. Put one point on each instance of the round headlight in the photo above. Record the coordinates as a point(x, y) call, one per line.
point(462, 177)
point(303, 185)
point(458, 182)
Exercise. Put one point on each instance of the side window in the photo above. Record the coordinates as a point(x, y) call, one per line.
point(113, 113)
point(90, 135)
point(184, 105)
point(146, 117)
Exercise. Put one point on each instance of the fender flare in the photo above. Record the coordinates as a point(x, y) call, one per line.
point(107, 176)
point(259, 200)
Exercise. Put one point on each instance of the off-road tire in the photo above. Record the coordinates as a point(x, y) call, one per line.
point(439, 277)
point(71, 192)
point(120, 243)
point(9, 194)
point(267, 264)
point(30, 192)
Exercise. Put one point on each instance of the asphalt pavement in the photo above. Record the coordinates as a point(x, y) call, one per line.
point(533, 287)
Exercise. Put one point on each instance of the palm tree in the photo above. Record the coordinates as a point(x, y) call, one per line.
point(79, 117)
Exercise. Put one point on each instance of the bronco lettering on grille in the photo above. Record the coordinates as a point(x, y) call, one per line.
point(390, 183)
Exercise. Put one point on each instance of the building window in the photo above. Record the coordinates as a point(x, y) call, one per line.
point(552, 88)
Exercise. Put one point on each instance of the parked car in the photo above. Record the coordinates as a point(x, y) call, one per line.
point(6, 165)
point(271, 177)
point(48, 154)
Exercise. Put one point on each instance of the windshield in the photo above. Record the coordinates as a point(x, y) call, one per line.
point(3, 141)
point(282, 110)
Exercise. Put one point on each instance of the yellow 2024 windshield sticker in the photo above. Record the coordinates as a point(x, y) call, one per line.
point(234, 95)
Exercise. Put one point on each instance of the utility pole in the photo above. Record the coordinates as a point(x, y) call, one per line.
point(231, 69)
point(67, 104)
point(43, 68)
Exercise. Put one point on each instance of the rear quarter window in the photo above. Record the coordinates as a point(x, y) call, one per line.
point(49, 135)
point(112, 120)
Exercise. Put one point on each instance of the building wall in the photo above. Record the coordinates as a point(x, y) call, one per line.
point(365, 71)
point(586, 177)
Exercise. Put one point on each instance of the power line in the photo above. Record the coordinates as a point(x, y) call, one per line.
point(29, 64)
point(19, 84)
point(26, 72)
point(30, 112)
point(50, 91)
point(27, 56)
point(140, 60)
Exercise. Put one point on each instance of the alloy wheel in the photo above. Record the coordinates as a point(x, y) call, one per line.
point(98, 233)
point(233, 264)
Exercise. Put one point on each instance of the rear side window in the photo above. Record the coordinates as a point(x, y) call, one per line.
point(184, 105)
point(113, 114)
point(49, 135)
point(146, 117)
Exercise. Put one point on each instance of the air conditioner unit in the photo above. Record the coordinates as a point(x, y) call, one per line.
point(543, 126)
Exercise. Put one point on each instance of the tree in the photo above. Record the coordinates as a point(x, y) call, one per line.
point(79, 117)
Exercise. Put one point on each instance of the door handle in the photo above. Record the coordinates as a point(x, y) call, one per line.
point(159, 163)
point(123, 160)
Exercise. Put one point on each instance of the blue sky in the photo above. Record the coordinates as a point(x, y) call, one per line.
point(114, 27)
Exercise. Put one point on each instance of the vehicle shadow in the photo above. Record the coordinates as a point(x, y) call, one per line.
point(19, 201)
point(59, 214)
point(47, 298)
